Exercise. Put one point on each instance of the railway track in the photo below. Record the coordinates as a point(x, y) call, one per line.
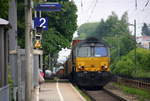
point(102, 95)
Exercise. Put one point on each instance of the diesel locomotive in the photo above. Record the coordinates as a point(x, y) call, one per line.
point(88, 64)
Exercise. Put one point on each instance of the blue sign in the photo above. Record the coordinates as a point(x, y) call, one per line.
point(41, 22)
point(48, 7)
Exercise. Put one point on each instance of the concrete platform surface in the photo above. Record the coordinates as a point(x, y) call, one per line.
point(59, 92)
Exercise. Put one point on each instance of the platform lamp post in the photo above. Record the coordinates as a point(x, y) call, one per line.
point(28, 50)
point(134, 25)
point(135, 40)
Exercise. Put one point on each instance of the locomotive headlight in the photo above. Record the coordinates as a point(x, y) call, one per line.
point(81, 67)
point(104, 67)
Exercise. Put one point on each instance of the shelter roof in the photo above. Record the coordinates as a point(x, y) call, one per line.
point(4, 22)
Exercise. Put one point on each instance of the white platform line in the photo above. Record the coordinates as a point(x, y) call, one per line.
point(59, 93)
point(82, 98)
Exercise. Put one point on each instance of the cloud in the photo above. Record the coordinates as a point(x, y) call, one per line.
point(63, 55)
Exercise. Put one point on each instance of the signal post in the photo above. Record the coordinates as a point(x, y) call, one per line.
point(28, 39)
point(28, 50)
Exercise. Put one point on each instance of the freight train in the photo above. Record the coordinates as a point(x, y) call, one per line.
point(88, 63)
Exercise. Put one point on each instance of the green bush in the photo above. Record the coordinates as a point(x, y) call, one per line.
point(143, 57)
point(141, 73)
point(126, 65)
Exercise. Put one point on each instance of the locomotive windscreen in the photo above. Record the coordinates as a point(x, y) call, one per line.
point(84, 51)
point(100, 52)
point(92, 51)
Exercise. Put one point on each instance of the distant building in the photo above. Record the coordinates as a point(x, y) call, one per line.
point(144, 41)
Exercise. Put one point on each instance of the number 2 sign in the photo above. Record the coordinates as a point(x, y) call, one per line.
point(41, 22)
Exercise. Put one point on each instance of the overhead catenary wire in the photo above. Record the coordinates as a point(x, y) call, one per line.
point(91, 3)
point(81, 6)
point(81, 3)
point(88, 9)
point(146, 4)
point(135, 4)
point(92, 11)
point(136, 7)
point(141, 10)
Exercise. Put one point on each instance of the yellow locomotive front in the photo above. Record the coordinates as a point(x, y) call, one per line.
point(91, 60)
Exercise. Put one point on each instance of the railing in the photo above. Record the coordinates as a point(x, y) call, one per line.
point(4, 93)
point(134, 82)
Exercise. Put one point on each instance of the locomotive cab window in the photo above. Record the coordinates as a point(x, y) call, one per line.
point(100, 52)
point(84, 51)
point(96, 50)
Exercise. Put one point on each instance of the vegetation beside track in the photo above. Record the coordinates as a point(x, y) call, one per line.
point(126, 65)
point(142, 94)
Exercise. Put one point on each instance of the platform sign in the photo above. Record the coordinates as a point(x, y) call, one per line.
point(41, 22)
point(48, 7)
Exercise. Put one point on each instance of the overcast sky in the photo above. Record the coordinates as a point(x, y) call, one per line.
point(95, 10)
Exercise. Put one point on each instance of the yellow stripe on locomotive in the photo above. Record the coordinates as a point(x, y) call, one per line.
point(92, 64)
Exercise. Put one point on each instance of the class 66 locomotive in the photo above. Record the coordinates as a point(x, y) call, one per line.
point(88, 64)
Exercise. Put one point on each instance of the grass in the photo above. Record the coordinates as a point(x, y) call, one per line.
point(142, 94)
point(141, 73)
point(83, 94)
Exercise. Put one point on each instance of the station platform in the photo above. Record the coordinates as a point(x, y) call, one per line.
point(59, 91)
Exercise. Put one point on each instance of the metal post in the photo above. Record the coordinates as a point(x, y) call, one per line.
point(6, 57)
point(118, 46)
point(13, 41)
point(19, 75)
point(135, 40)
point(2, 57)
point(28, 27)
point(13, 22)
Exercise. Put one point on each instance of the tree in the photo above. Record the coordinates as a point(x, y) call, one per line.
point(62, 26)
point(126, 65)
point(145, 30)
point(113, 26)
point(124, 23)
point(87, 29)
point(4, 9)
point(53, 42)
